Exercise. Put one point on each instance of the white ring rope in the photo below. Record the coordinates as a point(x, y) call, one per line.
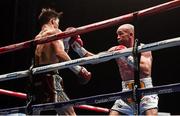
point(102, 57)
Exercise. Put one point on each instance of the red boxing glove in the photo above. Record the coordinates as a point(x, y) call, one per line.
point(120, 47)
point(77, 45)
point(84, 76)
point(75, 39)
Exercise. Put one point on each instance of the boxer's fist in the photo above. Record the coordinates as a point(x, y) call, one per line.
point(84, 76)
point(120, 47)
point(76, 41)
point(77, 45)
point(116, 48)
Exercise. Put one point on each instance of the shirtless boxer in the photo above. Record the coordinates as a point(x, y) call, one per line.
point(48, 86)
point(149, 103)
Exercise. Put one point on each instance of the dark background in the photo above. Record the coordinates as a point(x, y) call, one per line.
point(19, 23)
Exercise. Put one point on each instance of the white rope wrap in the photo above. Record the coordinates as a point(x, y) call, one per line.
point(105, 56)
point(81, 51)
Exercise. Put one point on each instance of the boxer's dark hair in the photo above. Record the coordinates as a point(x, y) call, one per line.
point(47, 14)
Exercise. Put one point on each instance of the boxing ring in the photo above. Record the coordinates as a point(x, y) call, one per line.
point(84, 103)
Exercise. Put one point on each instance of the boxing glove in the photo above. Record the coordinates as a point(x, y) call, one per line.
point(77, 45)
point(84, 76)
point(120, 47)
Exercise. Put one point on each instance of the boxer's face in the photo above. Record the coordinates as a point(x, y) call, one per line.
point(123, 37)
point(55, 22)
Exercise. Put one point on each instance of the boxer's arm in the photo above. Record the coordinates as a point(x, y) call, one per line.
point(59, 51)
point(81, 72)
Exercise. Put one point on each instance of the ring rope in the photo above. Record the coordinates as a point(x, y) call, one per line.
point(93, 108)
point(102, 57)
point(13, 93)
point(94, 26)
point(170, 88)
point(24, 96)
point(111, 97)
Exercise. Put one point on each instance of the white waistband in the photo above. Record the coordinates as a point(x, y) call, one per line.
point(147, 83)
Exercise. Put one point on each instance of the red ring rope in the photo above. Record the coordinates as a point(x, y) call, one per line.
point(12, 93)
point(93, 108)
point(91, 27)
point(24, 96)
